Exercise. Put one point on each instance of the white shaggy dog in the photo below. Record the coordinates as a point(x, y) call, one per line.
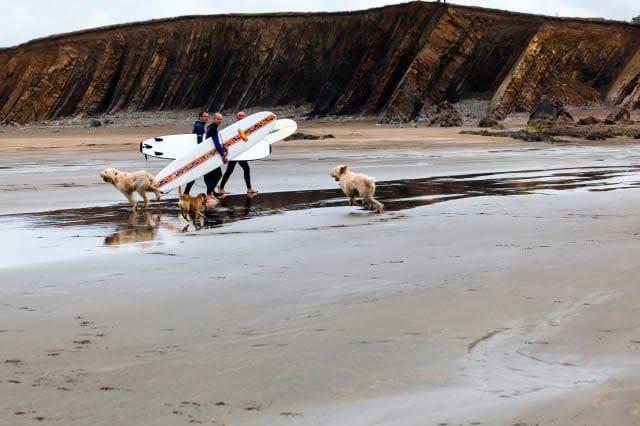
point(128, 183)
point(357, 184)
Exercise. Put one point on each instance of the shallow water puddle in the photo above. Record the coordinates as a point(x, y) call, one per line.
point(54, 235)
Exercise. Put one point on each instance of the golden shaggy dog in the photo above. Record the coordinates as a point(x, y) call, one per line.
point(357, 184)
point(128, 183)
point(191, 204)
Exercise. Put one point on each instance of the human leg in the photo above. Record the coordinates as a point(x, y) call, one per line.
point(247, 176)
point(227, 174)
point(211, 179)
point(247, 173)
point(188, 186)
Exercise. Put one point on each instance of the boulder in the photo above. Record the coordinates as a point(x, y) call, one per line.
point(489, 120)
point(594, 137)
point(445, 116)
point(617, 115)
point(549, 111)
point(588, 120)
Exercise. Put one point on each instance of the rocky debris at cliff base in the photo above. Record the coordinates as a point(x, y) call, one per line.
point(517, 134)
point(493, 118)
point(595, 131)
point(552, 134)
point(594, 137)
point(548, 112)
point(445, 115)
point(468, 110)
point(588, 120)
point(489, 120)
point(618, 115)
point(307, 136)
point(94, 123)
point(159, 118)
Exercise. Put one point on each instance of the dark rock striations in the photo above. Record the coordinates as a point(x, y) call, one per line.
point(395, 63)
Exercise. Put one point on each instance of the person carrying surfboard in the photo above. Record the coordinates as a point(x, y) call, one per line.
point(213, 177)
point(199, 130)
point(232, 165)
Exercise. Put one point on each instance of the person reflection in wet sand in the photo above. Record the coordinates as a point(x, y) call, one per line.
point(216, 218)
point(213, 219)
point(247, 204)
point(134, 230)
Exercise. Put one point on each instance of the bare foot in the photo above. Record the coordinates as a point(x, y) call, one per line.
point(251, 191)
point(222, 191)
point(211, 202)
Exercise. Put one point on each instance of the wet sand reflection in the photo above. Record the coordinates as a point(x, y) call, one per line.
point(117, 225)
point(139, 227)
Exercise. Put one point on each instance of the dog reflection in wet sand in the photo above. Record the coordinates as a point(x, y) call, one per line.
point(357, 185)
point(190, 204)
point(128, 183)
point(138, 228)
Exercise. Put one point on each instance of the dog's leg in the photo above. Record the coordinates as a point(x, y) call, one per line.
point(373, 204)
point(132, 201)
point(143, 194)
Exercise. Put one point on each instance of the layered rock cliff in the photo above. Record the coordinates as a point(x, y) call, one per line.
point(393, 62)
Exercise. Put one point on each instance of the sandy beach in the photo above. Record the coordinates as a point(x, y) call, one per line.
point(498, 287)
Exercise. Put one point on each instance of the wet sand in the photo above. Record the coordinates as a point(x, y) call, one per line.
point(499, 287)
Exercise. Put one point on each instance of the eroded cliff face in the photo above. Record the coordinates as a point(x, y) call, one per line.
point(393, 62)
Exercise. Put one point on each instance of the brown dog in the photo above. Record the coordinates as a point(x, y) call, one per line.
point(357, 184)
point(128, 183)
point(191, 204)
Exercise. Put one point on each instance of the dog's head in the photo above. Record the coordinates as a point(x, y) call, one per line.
point(109, 175)
point(337, 172)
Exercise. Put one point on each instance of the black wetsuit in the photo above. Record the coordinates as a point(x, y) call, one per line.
point(232, 165)
point(198, 129)
point(213, 177)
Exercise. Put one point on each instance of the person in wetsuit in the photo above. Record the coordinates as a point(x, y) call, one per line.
point(232, 165)
point(199, 130)
point(213, 177)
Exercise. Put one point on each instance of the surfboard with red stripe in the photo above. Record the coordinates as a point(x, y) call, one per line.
point(237, 137)
point(175, 146)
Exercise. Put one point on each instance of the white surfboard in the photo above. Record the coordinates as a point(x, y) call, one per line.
point(237, 137)
point(169, 146)
point(284, 127)
point(175, 146)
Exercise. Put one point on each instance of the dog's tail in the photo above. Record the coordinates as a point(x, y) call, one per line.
point(179, 191)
